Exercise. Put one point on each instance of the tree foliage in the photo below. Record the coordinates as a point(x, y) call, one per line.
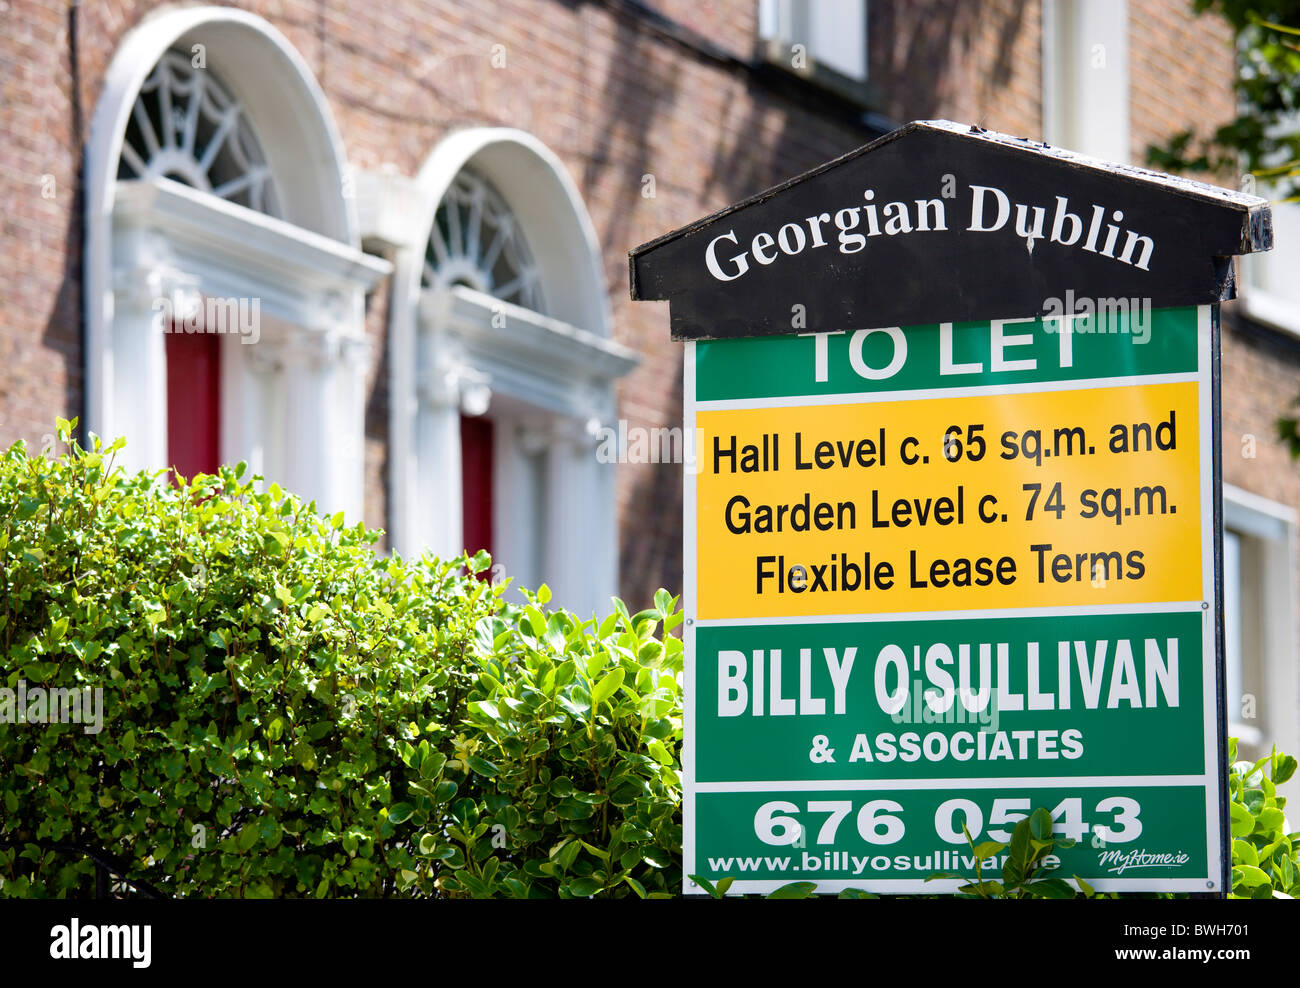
point(1263, 141)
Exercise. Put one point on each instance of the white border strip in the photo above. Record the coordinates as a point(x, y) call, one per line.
point(689, 563)
point(907, 885)
point(1080, 610)
point(1210, 691)
point(926, 394)
point(1043, 782)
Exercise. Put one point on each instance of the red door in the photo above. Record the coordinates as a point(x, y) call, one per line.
point(476, 446)
point(194, 402)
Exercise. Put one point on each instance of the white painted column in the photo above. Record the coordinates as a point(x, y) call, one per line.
point(310, 416)
point(348, 467)
point(1086, 77)
point(1102, 114)
point(253, 407)
point(582, 544)
point(143, 299)
point(434, 518)
point(404, 401)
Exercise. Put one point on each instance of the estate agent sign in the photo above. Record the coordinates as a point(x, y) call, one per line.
point(952, 528)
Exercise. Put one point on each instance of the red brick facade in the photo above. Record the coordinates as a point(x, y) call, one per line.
point(619, 95)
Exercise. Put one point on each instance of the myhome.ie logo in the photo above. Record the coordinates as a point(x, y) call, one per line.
point(102, 942)
point(1139, 858)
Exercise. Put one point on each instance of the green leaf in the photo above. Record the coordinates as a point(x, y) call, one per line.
point(1286, 767)
point(567, 854)
point(1244, 852)
point(400, 812)
point(1270, 819)
point(598, 852)
point(481, 765)
point(572, 809)
point(607, 687)
point(584, 886)
point(663, 602)
point(659, 753)
point(636, 886)
point(535, 620)
point(988, 849)
point(1020, 851)
point(1251, 876)
point(989, 890)
point(794, 890)
point(1243, 823)
point(432, 764)
point(707, 885)
point(1052, 888)
point(487, 708)
point(1040, 824)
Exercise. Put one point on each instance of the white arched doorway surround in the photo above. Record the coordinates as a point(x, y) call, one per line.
point(547, 378)
point(292, 403)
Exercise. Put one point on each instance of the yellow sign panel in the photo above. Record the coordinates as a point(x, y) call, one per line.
point(1056, 498)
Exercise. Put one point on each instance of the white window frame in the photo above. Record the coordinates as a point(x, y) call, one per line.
point(1257, 298)
point(292, 404)
point(783, 24)
point(546, 380)
point(548, 386)
point(1085, 108)
point(1271, 531)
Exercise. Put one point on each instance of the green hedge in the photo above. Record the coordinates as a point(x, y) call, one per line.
point(286, 713)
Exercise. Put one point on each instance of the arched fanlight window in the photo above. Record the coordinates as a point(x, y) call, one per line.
point(187, 127)
point(476, 242)
point(225, 284)
point(504, 354)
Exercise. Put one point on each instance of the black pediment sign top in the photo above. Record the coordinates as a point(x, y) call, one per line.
point(939, 222)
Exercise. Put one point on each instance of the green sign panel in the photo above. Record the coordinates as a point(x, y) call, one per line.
point(940, 576)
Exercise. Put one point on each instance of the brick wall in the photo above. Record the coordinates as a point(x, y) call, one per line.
point(976, 61)
point(617, 100)
point(40, 228)
point(1261, 377)
point(1180, 67)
